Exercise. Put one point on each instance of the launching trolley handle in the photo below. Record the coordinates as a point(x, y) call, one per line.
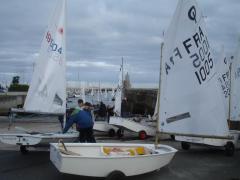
point(65, 151)
point(61, 142)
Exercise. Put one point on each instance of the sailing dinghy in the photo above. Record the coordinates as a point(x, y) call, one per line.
point(192, 106)
point(134, 124)
point(47, 93)
point(111, 160)
point(235, 86)
point(102, 124)
point(234, 103)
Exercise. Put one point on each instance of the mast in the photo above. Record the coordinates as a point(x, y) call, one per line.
point(158, 97)
point(230, 96)
point(99, 91)
point(122, 70)
point(92, 94)
point(64, 44)
point(122, 80)
point(118, 94)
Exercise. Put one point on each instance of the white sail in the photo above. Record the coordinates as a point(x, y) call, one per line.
point(98, 95)
point(105, 93)
point(235, 86)
point(155, 114)
point(47, 92)
point(190, 99)
point(118, 95)
point(92, 92)
point(113, 92)
point(224, 79)
point(83, 94)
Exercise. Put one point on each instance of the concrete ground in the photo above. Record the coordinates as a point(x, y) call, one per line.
point(198, 163)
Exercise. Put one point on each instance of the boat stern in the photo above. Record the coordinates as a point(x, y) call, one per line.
point(55, 156)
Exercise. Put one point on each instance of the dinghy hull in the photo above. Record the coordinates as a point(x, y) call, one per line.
point(91, 161)
point(103, 126)
point(24, 139)
point(210, 141)
point(129, 124)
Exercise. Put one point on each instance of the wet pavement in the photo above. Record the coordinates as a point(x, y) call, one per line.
point(200, 162)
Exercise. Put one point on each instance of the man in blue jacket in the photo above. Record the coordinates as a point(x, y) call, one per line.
point(84, 122)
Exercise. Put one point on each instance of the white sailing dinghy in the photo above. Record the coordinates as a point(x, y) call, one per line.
point(103, 125)
point(47, 93)
point(234, 103)
point(128, 123)
point(235, 86)
point(111, 160)
point(192, 106)
point(229, 83)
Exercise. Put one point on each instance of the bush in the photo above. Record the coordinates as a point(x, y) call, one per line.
point(18, 88)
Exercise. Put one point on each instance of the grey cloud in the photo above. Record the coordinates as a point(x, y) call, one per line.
point(104, 31)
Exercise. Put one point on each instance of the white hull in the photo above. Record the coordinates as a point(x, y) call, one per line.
point(93, 162)
point(103, 126)
point(210, 141)
point(131, 125)
point(24, 139)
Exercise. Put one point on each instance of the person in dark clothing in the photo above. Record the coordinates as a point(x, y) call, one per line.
point(61, 120)
point(110, 112)
point(102, 112)
point(84, 121)
point(87, 134)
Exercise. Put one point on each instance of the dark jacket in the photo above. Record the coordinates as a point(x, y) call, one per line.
point(102, 112)
point(83, 119)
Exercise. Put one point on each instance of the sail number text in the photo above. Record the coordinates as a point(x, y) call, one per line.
point(225, 83)
point(53, 46)
point(197, 49)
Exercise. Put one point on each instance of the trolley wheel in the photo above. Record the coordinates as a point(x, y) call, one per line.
point(185, 145)
point(120, 132)
point(229, 148)
point(142, 135)
point(115, 175)
point(111, 133)
point(23, 149)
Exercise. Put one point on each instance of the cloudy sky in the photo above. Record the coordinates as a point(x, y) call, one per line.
point(100, 32)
